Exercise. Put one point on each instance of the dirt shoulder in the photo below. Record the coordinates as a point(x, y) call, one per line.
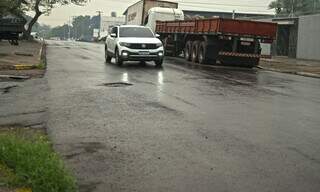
point(292, 66)
point(26, 59)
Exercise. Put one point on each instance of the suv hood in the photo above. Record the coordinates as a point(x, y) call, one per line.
point(139, 40)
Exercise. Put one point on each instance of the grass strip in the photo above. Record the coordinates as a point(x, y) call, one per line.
point(29, 161)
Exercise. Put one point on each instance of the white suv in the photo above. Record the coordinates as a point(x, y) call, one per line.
point(133, 43)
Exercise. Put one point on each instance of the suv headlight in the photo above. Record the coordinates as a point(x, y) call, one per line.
point(159, 45)
point(124, 44)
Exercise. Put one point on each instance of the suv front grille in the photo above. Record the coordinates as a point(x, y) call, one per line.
point(142, 46)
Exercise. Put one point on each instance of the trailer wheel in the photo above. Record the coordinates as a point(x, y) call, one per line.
point(202, 54)
point(195, 51)
point(169, 46)
point(188, 51)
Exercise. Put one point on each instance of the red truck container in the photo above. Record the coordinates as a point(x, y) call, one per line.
point(229, 41)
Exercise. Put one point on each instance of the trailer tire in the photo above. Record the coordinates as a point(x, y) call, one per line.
point(202, 53)
point(195, 51)
point(188, 51)
point(169, 47)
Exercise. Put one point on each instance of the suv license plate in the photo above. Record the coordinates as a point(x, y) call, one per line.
point(245, 43)
point(144, 53)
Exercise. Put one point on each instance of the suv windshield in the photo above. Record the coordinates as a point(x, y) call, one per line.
point(135, 32)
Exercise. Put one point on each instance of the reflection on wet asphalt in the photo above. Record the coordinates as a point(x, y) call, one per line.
point(182, 127)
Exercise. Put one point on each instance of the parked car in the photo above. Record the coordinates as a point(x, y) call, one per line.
point(133, 43)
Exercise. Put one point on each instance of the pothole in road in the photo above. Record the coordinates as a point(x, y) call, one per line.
point(7, 89)
point(117, 84)
point(13, 78)
point(84, 57)
point(3, 54)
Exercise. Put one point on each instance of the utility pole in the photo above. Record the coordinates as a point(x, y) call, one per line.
point(74, 28)
point(99, 12)
point(69, 28)
point(65, 33)
point(292, 9)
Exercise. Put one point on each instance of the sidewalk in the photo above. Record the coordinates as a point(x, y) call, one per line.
point(25, 59)
point(292, 66)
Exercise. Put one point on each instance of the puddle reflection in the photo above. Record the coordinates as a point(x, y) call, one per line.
point(160, 78)
point(125, 77)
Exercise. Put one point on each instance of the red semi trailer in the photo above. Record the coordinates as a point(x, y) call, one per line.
point(206, 41)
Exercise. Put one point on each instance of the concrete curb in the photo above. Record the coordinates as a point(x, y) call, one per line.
point(305, 74)
point(269, 60)
point(308, 74)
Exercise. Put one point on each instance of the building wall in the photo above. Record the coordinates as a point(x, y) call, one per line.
point(308, 46)
point(107, 22)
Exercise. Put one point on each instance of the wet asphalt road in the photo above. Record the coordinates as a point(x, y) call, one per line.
point(181, 128)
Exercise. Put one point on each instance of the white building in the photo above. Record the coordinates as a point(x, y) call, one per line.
point(107, 22)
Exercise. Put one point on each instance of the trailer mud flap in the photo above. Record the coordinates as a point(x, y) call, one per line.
point(239, 59)
point(234, 54)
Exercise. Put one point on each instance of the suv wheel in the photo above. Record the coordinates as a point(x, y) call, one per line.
point(159, 63)
point(118, 59)
point(107, 56)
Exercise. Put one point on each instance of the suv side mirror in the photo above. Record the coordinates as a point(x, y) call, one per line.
point(113, 35)
point(157, 35)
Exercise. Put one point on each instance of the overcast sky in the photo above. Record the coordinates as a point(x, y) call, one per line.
point(61, 15)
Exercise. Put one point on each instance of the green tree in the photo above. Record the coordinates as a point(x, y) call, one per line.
point(42, 29)
point(81, 27)
point(276, 5)
point(294, 6)
point(40, 7)
point(59, 31)
point(15, 7)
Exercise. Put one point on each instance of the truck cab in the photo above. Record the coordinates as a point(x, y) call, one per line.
point(162, 14)
point(11, 27)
